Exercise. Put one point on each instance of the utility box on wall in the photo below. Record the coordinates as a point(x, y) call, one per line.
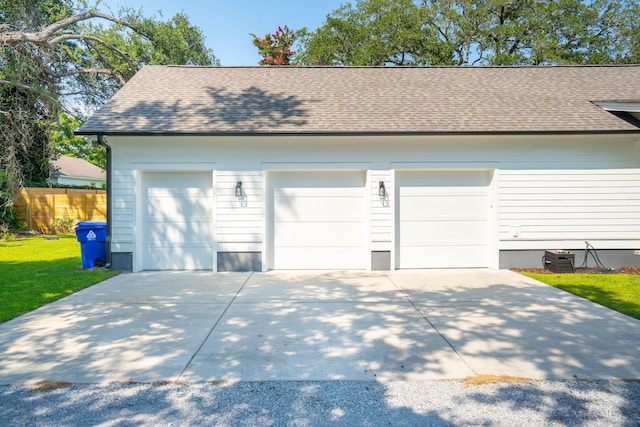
point(559, 261)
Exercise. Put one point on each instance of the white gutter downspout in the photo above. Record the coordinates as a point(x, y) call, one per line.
point(102, 142)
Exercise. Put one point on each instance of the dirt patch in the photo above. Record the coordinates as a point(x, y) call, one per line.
point(48, 385)
point(479, 380)
point(621, 270)
point(159, 383)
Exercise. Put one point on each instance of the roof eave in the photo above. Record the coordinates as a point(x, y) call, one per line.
point(361, 133)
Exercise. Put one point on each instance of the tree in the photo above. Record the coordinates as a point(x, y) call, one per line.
point(470, 32)
point(275, 48)
point(629, 45)
point(375, 32)
point(58, 57)
point(66, 143)
point(535, 32)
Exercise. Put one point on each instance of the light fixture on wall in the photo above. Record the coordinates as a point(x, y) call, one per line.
point(239, 189)
point(382, 191)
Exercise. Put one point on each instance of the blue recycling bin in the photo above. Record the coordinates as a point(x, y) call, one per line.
point(93, 247)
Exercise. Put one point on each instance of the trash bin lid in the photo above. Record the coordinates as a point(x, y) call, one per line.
point(91, 224)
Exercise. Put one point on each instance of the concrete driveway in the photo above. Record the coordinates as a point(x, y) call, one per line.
point(404, 325)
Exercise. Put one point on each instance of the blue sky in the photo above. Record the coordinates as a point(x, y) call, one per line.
point(227, 24)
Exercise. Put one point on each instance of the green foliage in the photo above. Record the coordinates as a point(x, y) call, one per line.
point(66, 143)
point(487, 32)
point(374, 32)
point(616, 291)
point(33, 13)
point(56, 55)
point(139, 40)
point(36, 271)
point(275, 48)
point(25, 120)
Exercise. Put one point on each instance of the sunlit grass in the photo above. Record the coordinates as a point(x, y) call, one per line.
point(620, 292)
point(36, 271)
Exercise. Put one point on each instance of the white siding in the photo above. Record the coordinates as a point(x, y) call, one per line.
point(569, 205)
point(123, 213)
point(549, 189)
point(239, 220)
point(382, 209)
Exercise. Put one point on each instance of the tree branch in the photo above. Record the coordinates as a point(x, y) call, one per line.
point(86, 71)
point(45, 36)
point(28, 88)
point(87, 38)
point(106, 62)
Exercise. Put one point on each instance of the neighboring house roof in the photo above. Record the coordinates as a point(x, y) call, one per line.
point(77, 168)
point(272, 100)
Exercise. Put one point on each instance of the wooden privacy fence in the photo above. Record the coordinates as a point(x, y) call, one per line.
point(36, 208)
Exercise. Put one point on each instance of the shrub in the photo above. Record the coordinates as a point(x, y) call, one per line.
point(6, 233)
point(63, 225)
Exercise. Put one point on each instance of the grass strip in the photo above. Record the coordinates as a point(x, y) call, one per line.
point(620, 292)
point(37, 271)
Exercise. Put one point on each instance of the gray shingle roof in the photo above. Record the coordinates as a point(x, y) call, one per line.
point(71, 166)
point(211, 100)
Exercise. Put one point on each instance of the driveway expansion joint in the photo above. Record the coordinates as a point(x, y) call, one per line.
point(193, 356)
point(415, 307)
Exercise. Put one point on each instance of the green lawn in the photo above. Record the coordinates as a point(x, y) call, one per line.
point(620, 292)
point(36, 271)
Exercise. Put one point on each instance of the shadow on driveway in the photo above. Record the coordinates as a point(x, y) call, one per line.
point(308, 326)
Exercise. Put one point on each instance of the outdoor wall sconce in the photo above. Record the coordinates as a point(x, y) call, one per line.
point(382, 191)
point(239, 189)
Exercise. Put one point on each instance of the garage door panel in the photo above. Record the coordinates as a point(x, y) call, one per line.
point(319, 233)
point(179, 256)
point(431, 231)
point(343, 192)
point(186, 232)
point(443, 256)
point(169, 189)
point(177, 221)
point(317, 180)
point(319, 257)
point(445, 179)
point(319, 220)
point(333, 207)
point(429, 204)
point(321, 214)
point(443, 219)
point(167, 207)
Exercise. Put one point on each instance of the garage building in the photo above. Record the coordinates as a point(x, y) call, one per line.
point(370, 168)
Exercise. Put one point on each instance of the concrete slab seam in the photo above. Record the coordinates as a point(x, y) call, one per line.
point(430, 324)
point(193, 356)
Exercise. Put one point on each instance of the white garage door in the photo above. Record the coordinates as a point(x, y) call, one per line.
point(176, 221)
point(443, 219)
point(318, 220)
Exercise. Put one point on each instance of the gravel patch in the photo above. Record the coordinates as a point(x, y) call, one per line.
point(348, 403)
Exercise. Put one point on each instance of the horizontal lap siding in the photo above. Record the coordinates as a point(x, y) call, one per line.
point(570, 205)
point(239, 221)
point(122, 210)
